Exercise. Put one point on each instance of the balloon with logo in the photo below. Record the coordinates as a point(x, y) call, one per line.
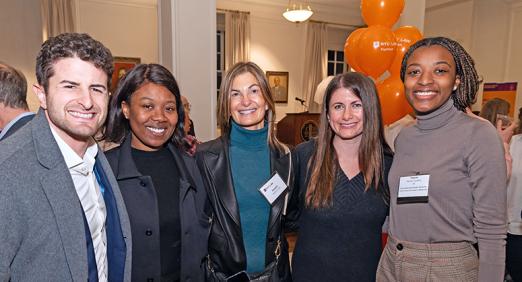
point(350, 49)
point(375, 50)
point(405, 36)
point(381, 12)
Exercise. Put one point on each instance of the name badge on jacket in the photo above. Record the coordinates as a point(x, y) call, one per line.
point(273, 188)
point(413, 189)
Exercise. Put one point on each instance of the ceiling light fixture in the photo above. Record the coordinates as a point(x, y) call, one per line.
point(297, 12)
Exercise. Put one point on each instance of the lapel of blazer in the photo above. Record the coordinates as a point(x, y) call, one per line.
point(185, 179)
point(126, 166)
point(217, 164)
point(59, 189)
point(116, 249)
point(280, 165)
point(122, 243)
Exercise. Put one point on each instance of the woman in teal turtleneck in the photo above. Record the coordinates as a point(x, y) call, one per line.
point(247, 231)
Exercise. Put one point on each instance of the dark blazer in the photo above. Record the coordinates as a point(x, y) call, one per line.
point(226, 248)
point(17, 125)
point(140, 198)
point(43, 231)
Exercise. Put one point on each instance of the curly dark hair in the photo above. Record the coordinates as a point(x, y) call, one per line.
point(69, 45)
point(466, 93)
point(117, 126)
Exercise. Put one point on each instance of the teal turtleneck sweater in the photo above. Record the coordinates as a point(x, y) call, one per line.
point(250, 164)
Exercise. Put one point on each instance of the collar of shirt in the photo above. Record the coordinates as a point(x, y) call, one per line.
point(13, 121)
point(73, 161)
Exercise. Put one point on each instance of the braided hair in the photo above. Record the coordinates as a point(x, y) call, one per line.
point(466, 93)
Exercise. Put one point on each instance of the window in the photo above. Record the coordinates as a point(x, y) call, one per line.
point(220, 51)
point(336, 63)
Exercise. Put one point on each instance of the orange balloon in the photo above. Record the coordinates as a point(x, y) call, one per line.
point(381, 12)
point(350, 49)
point(405, 36)
point(393, 101)
point(376, 50)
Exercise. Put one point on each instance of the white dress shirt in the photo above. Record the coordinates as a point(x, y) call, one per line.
point(90, 196)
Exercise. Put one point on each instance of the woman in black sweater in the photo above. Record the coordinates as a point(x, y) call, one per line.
point(341, 179)
point(159, 182)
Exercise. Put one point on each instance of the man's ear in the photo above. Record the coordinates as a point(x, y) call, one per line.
point(40, 93)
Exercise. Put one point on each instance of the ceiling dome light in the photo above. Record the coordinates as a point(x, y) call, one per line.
point(297, 12)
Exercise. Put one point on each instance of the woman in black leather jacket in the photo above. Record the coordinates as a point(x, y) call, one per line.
point(246, 229)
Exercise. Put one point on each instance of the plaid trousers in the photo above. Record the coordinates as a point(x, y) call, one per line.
point(404, 261)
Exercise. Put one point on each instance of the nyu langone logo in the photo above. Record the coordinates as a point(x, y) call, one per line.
point(375, 44)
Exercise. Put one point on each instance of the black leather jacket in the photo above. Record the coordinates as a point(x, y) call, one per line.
point(226, 248)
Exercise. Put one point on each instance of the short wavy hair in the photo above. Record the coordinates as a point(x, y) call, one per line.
point(70, 45)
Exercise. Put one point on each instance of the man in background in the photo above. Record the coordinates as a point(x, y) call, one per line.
point(14, 112)
point(62, 216)
point(278, 90)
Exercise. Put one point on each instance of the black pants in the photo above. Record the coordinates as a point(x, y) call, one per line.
point(514, 256)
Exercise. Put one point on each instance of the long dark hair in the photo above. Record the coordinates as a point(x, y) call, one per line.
point(117, 126)
point(324, 164)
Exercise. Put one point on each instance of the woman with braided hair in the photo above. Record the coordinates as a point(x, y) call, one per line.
point(448, 177)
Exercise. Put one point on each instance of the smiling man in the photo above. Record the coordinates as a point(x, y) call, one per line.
point(61, 212)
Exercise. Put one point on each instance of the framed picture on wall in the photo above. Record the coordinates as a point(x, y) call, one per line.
point(121, 66)
point(278, 81)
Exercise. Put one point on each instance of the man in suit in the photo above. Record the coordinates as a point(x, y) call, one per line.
point(62, 216)
point(14, 112)
point(279, 91)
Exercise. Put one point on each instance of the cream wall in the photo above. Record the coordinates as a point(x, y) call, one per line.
point(127, 28)
point(489, 30)
point(21, 39)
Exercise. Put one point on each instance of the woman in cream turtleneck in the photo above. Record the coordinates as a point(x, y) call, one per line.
point(448, 177)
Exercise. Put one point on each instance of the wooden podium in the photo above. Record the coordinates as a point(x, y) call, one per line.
point(296, 128)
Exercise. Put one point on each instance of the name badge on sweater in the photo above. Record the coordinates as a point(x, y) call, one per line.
point(413, 189)
point(273, 188)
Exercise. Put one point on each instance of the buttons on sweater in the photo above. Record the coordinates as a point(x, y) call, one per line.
point(399, 247)
point(148, 232)
point(142, 183)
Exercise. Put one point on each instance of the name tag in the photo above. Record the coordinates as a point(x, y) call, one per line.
point(273, 188)
point(413, 189)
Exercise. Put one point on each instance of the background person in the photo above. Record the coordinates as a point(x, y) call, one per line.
point(341, 178)
point(279, 92)
point(514, 210)
point(14, 112)
point(456, 165)
point(160, 184)
point(247, 233)
point(63, 217)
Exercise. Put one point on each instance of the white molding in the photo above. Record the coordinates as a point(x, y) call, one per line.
point(513, 14)
point(445, 5)
point(149, 4)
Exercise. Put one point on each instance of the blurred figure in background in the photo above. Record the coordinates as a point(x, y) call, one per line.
point(514, 210)
point(14, 112)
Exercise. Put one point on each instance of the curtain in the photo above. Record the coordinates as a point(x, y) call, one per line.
point(237, 38)
point(315, 62)
point(57, 17)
